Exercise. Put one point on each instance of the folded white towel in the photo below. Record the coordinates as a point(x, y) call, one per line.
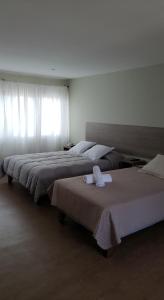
point(107, 177)
point(98, 176)
point(89, 179)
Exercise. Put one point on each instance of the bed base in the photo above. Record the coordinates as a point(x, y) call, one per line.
point(105, 253)
point(10, 179)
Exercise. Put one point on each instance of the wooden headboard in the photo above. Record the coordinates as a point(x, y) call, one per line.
point(141, 141)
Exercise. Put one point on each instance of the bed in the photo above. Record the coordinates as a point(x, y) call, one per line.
point(36, 172)
point(133, 201)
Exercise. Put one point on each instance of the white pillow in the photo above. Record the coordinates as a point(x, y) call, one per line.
point(81, 147)
point(97, 152)
point(155, 166)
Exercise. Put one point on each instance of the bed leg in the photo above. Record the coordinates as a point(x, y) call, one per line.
point(107, 253)
point(62, 217)
point(10, 179)
point(104, 253)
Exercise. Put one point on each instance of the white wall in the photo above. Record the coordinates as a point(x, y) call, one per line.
point(134, 97)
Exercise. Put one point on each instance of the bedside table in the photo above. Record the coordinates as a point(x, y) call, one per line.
point(67, 147)
point(132, 162)
point(124, 164)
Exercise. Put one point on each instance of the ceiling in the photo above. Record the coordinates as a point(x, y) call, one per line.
point(80, 37)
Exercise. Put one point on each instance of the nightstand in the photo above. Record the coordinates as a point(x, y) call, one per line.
point(68, 146)
point(1, 169)
point(132, 162)
point(124, 164)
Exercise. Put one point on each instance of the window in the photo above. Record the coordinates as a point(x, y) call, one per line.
point(32, 118)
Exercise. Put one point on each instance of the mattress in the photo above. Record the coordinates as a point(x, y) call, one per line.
point(37, 172)
point(133, 201)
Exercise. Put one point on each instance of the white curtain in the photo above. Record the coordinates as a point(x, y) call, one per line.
point(33, 118)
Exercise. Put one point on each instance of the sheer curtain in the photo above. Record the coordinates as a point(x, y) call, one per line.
point(33, 118)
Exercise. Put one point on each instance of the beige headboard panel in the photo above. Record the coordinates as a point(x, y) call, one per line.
point(135, 140)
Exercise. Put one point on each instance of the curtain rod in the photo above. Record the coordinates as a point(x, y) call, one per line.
point(4, 79)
